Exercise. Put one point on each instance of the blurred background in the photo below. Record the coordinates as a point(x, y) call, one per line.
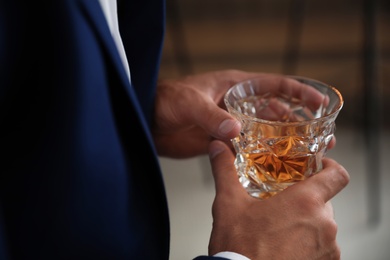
point(343, 43)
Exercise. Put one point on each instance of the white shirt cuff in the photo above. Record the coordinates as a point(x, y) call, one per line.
point(231, 255)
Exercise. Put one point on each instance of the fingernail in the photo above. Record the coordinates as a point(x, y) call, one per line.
point(215, 149)
point(227, 126)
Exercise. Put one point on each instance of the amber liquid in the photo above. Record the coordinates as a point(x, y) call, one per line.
point(281, 149)
point(280, 162)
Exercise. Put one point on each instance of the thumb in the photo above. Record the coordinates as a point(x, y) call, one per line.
point(330, 181)
point(219, 123)
point(224, 172)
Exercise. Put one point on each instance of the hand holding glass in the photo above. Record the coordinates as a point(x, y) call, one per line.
point(287, 124)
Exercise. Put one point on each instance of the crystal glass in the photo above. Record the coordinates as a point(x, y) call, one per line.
point(287, 124)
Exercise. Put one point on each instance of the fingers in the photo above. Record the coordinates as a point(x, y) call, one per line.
point(330, 181)
point(227, 129)
point(292, 88)
point(216, 121)
point(224, 172)
point(221, 125)
point(329, 210)
point(332, 143)
point(285, 99)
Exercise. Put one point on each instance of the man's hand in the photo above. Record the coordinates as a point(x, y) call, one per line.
point(297, 223)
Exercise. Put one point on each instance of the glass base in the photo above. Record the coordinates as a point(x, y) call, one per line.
point(262, 190)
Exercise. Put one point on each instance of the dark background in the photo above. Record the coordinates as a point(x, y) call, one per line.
point(343, 43)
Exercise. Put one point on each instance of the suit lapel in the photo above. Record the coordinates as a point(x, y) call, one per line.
point(94, 12)
point(98, 21)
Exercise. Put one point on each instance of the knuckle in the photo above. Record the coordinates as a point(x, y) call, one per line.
point(331, 229)
point(344, 175)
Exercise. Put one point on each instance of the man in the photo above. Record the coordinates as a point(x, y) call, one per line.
point(83, 118)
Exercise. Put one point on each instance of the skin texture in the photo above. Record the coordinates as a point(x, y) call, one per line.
point(190, 112)
point(298, 223)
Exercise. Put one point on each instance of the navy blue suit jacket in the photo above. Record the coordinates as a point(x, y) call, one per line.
point(79, 177)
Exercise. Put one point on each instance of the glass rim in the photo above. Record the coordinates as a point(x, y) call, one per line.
point(301, 79)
